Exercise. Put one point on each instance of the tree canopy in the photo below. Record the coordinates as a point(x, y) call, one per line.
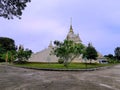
point(10, 52)
point(117, 53)
point(7, 46)
point(67, 50)
point(22, 55)
point(11, 8)
point(109, 56)
point(90, 52)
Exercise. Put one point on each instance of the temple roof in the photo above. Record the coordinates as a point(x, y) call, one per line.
point(72, 36)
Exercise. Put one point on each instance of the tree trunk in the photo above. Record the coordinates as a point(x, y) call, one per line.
point(90, 61)
point(66, 63)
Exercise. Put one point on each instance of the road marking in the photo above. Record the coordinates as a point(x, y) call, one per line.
point(105, 85)
point(118, 80)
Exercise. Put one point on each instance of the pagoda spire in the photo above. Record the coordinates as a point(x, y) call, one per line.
point(71, 29)
point(50, 45)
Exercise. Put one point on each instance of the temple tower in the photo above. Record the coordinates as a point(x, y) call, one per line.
point(71, 36)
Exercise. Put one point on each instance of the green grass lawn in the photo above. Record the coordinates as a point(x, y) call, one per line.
point(61, 66)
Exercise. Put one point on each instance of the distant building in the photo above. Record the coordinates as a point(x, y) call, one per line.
point(44, 55)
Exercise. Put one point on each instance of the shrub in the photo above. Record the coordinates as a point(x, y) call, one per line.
point(19, 62)
point(60, 61)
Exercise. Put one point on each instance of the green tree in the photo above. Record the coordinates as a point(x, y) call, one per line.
point(109, 56)
point(11, 8)
point(22, 54)
point(9, 52)
point(7, 46)
point(67, 50)
point(8, 56)
point(90, 53)
point(117, 53)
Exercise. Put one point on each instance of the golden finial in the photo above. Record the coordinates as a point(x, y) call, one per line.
point(71, 29)
point(50, 45)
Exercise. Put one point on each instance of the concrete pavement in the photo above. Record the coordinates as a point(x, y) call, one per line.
point(14, 78)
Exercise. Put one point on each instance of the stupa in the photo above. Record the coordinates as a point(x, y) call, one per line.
point(72, 36)
point(45, 56)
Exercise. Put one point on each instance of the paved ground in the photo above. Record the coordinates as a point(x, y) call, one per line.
point(13, 78)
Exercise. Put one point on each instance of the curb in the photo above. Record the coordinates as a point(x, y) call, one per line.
point(50, 69)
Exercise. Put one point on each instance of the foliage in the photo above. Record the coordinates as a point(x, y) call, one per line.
point(9, 52)
point(90, 53)
point(11, 8)
point(117, 53)
point(67, 50)
point(9, 56)
point(109, 56)
point(7, 44)
point(1, 54)
point(60, 61)
point(22, 55)
point(113, 61)
point(7, 47)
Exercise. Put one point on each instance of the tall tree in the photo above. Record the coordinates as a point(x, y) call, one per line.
point(117, 53)
point(7, 45)
point(9, 52)
point(11, 8)
point(67, 50)
point(90, 53)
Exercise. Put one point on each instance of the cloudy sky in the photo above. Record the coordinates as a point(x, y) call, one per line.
point(96, 21)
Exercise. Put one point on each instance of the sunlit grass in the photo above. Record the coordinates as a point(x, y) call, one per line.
point(61, 66)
